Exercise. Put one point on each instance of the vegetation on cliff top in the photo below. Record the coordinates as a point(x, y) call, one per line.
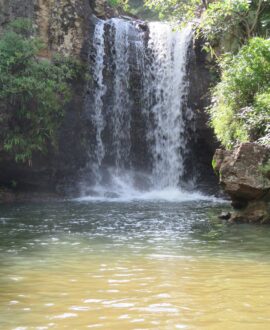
point(119, 3)
point(240, 108)
point(33, 91)
point(136, 8)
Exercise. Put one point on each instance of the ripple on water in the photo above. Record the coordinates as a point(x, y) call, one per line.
point(115, 265)
point(64, 316)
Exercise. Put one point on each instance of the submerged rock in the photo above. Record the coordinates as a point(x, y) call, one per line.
point(243, 174)
point(225, 216)
point(257, 211)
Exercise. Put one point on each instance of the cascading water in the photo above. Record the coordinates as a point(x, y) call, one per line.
point(100, 91)
point(168, 88)
point(121, 116)
point(137, 106)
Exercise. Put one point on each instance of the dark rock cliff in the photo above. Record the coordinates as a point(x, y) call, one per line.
point(202, 140)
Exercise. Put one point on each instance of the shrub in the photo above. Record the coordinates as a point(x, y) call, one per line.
point(32, 92)
point(177, 10)
point(120, 3)
point(241, 101)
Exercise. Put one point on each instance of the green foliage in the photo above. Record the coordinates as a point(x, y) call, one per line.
point(22, 26)
point(241, 101)
point(214, 164)
point(235, 21)
point(177, 10)
point(218, 19)
point(119, 3)
point(137, 8)
point(265, 169)
point(32, 92)
point(223, 19)
point(13, 184)
point(257, 118)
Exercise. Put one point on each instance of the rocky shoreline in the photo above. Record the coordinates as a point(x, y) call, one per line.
point(244, 174)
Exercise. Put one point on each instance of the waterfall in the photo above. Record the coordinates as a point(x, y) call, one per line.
point(100, 90)
point(168, 88)
point(136, 105)
point(121, 115)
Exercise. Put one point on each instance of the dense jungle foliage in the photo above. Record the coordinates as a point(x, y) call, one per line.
point(33, 91)
point(240, 108)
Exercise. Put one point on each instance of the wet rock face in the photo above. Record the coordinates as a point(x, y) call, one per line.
point(63, 25)
point(202, 142)
point(59, 26)
point(11, 9)
point(243, 175)
point(103, 10)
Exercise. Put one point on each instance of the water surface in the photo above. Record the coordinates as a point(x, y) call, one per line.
point(131, 265)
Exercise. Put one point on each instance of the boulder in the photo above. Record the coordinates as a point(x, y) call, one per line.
point(225, 216)
point(243, 174)
point(241, 171)
point(254, 212)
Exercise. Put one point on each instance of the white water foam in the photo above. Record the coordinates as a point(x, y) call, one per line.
point(166, 195)
point(122, 189)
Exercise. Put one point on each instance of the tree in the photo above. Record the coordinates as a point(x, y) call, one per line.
point(235, 21)
point(178, 10)
point(215, 19)
point(33, 92)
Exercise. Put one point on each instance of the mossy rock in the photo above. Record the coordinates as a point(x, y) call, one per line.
point(265, 169)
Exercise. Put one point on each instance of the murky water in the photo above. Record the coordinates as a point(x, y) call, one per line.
point(131, 265)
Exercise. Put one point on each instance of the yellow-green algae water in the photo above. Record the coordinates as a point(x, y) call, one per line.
point(133, 265)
